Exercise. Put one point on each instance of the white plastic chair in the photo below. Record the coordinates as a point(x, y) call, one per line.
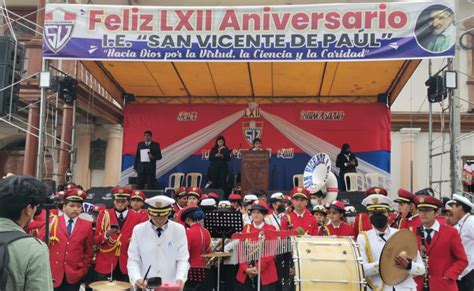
point(376, 180)
point(193, 180)
point(175, 181)
point(356, 182)
point(298, 180)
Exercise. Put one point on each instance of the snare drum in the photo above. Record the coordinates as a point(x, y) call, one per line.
point(327, 263)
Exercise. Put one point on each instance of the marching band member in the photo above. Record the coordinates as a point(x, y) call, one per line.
point(406, 208)
point(320, 212)
point(249, 199)
point(224, 204)
point(214, 196)
point(136, 202)
point(362, 221)
point(159, 243)
point(208, 205)
point(300, 218)
point(277, 210)
point(461, 210)
point(181, 198)
point(247, 273)
point(114, 229)
point(448, 213)
point(235, 201)
point(199, 238)
point(350, 215)
point(317, 198)
point(194, 194)
point(336, 226)
point(70, 244)
point(441, 247)
point(372, 242)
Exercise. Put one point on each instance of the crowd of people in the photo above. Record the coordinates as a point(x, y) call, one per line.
point(141, 238)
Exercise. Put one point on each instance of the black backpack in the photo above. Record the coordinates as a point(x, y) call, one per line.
point(6, 238)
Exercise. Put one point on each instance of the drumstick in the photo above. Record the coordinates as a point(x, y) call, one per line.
point(144, 278)
point(146, 274)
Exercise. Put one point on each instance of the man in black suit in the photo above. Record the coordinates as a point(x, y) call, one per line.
point(148, 152)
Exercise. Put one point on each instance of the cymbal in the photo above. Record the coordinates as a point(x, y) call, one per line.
point(107, 285)
point(404, 243)
point(217, 254)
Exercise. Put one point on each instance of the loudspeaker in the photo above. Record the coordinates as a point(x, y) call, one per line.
point(6, 75)
point(67, 89)
point(436, 90)
point(7, 53)
point(151, 193)
point(353, 199)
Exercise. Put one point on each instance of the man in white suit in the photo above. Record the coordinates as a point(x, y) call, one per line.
point(159, 243)
point(372, 242)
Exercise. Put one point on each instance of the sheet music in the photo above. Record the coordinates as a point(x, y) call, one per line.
point(144, 157)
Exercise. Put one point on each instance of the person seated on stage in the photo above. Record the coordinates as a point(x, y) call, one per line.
point(461, 209)
point(257, 145)
point(199, 238)
point(261, 195)
point(235, 201)
point(214, 196)
point(373, 241)
point(336, 226)
point(406, 208)
point(181, 198)
point(317, 198)
point(351, 214)
point(277, 210)
point(70, 243)
point(248, 272)
point(300, 218)
point(320, 213)
point(249, 199)
point(194, 194)
point(137, 201)
point(362, 221)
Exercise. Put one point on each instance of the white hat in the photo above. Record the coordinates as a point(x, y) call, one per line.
point(350, 210)
point(208, 202)
point(224, 204)
point(159, 205)
point(277, 196)
point(377, 201)
point(250, 198)
point(448, 204)
point(463, 200)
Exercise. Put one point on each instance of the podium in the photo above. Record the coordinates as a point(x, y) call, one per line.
point(254, 170)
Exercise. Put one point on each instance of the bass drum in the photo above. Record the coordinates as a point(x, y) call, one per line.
point(327, 263)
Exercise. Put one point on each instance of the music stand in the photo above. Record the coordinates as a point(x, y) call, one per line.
point(223, 224)
point(196, 276)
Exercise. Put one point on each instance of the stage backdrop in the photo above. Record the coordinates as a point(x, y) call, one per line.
point(291, 132)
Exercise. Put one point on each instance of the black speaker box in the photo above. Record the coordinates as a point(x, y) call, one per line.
point(353, 199)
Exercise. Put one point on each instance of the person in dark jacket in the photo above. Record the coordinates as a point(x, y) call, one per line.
point(347, 162)
point(148, 152)
point(218, 170)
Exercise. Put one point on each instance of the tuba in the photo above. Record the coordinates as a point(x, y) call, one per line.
point(317, 174)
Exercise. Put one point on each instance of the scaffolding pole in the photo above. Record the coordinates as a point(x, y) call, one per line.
point(455, 131)
point(42, 125)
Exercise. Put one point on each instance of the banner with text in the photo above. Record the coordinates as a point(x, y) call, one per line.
point(318, 32)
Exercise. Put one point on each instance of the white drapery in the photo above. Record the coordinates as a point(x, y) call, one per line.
point(175, 153)
point(312, 144)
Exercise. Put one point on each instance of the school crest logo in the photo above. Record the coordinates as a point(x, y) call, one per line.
point(252, 130)
point(58, 27)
